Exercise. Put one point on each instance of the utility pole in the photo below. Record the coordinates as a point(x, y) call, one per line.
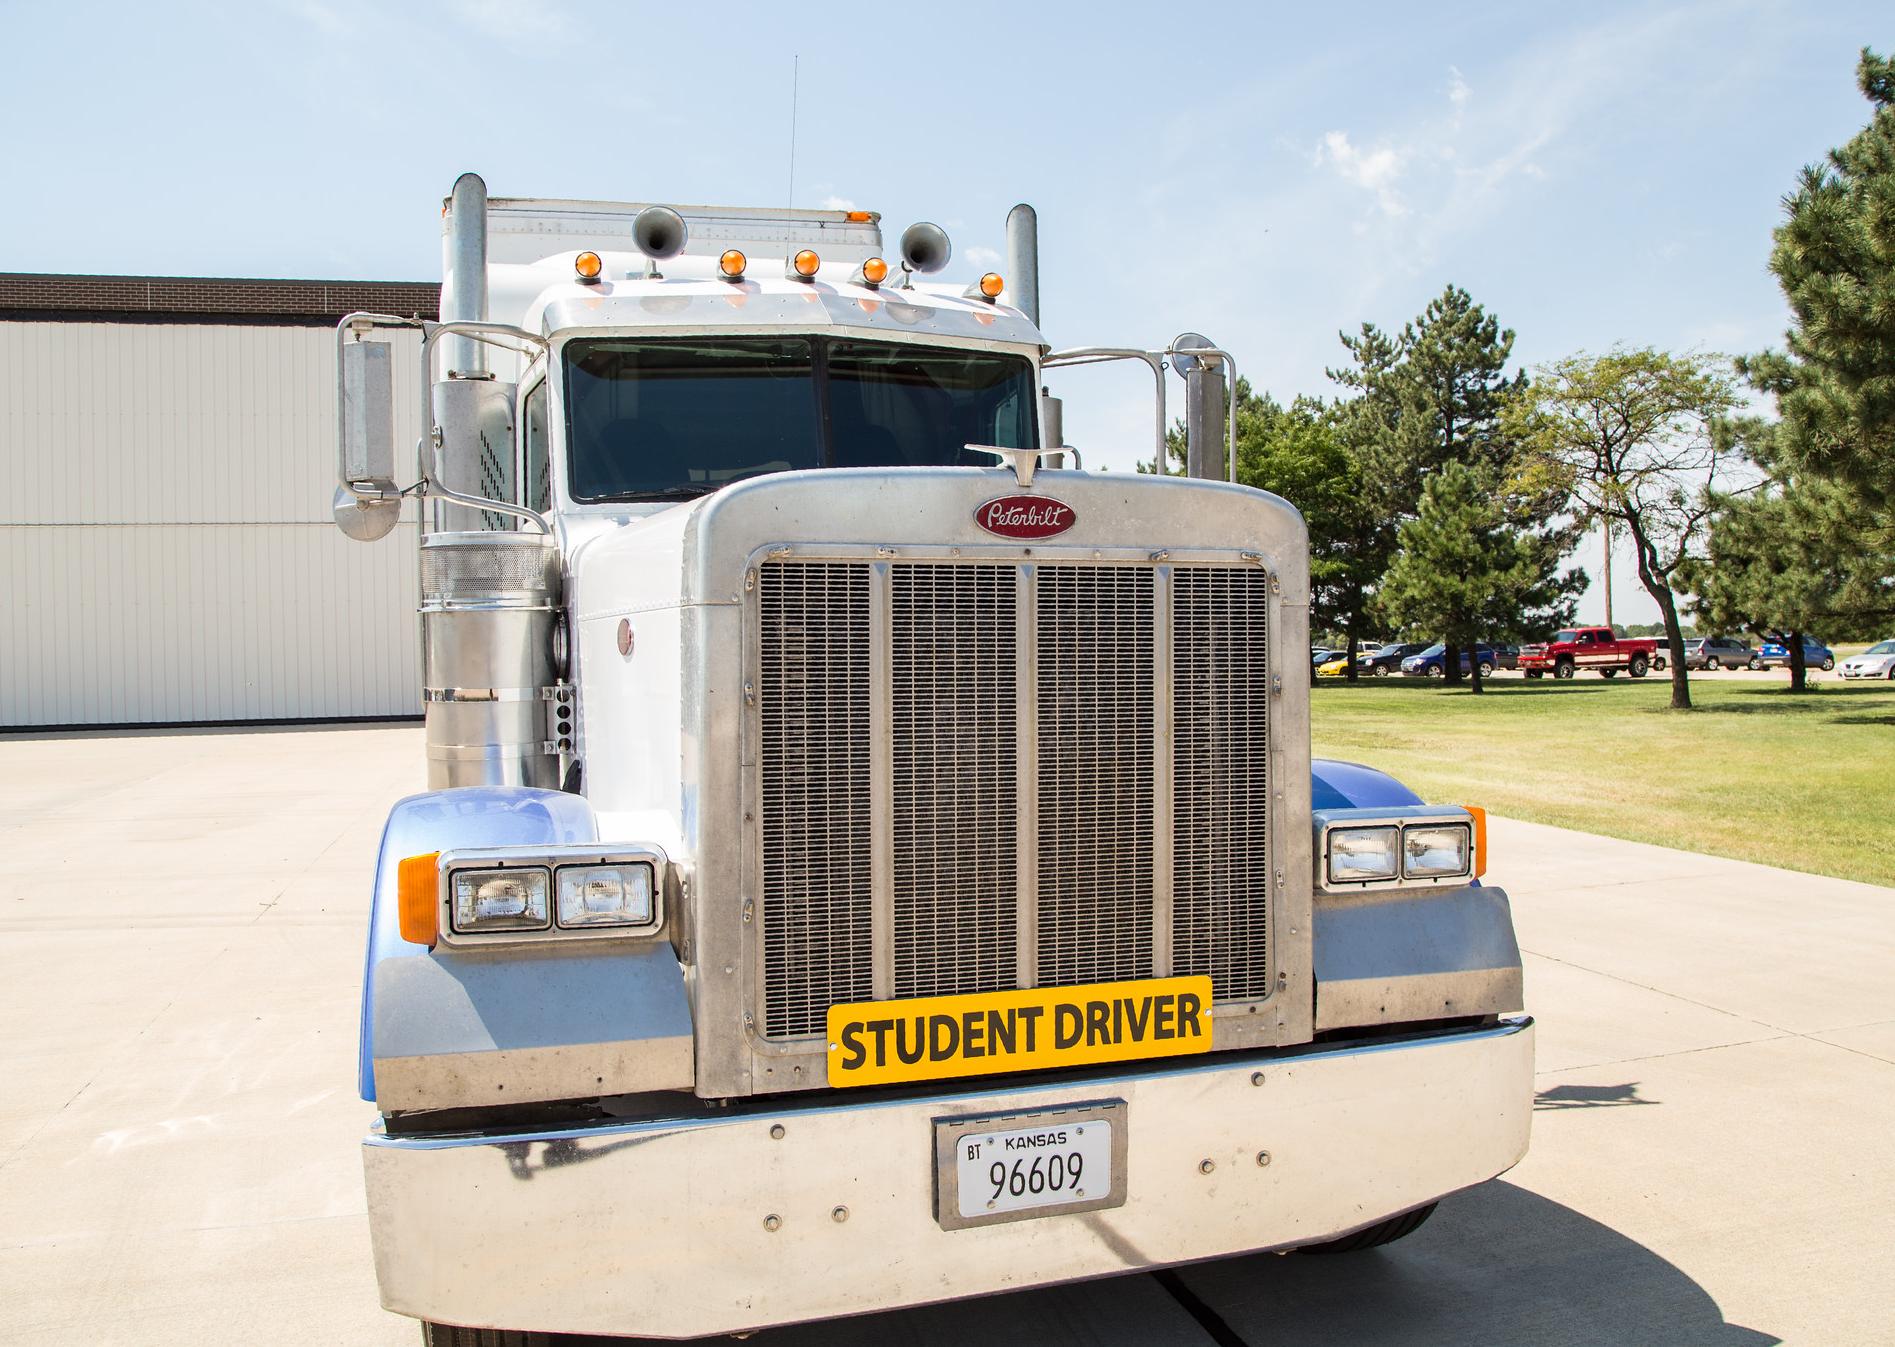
point(1607, 526)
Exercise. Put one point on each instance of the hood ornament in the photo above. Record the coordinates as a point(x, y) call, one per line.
point(1023, 461)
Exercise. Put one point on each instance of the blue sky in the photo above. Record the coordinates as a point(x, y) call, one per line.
point(1264, 174)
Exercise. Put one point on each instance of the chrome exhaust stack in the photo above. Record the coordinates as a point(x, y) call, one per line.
point(496, 710)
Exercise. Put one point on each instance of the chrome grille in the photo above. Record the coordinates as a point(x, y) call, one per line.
point(813, 698)
point(1095, 781)
point(1220, 886)
point(955, 792)
point(961, 788)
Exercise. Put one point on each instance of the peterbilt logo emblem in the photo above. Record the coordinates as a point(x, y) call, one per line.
point(1025, 517)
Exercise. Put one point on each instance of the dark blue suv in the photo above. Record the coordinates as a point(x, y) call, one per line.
point(1432, 662)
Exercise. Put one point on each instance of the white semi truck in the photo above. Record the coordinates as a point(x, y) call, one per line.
point(868, 859)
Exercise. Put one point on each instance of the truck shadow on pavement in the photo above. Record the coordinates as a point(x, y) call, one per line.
point(1496, 1264)
point(1589, 1096)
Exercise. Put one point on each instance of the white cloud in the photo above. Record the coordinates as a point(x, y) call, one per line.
point(1372, 170)
point(1458, 90)
point(982, 257)
point(837, 203)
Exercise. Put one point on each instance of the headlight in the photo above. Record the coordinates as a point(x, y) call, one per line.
point(500, 900)
point(604, 895)
point(1361, 855)
point(1436, 851)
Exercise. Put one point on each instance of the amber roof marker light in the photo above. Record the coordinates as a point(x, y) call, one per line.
point(988, 287)
point(804, 265)
point(732, 264)
point(872, 272)
point(588, 268)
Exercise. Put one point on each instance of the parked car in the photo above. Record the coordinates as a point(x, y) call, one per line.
point(1388, 659)
point(1716, 652)
point(1508, 655)
point(1597, 648)
point(1335, 666)
point(1878, 661)
point(1816, 655)
point(1320, 655)
point(1432, 662)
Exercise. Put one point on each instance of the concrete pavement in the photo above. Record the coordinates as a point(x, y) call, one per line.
point(180, 946)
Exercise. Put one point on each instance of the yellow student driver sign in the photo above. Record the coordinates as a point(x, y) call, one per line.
point(934, 1037)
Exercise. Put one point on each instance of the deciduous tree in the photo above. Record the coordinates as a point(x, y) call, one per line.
point(1631, 436)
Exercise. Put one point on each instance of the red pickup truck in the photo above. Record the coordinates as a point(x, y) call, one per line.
point(1597, 648)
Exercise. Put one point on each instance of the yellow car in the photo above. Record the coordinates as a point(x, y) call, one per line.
point(1335, 668)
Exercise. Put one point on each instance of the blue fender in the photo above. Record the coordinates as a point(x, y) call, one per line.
point(444, 820)
point(1350, 785)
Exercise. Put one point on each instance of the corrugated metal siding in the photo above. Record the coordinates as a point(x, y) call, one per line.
point(165, 534)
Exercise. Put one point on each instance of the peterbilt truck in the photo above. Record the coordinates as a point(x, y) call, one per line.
point(868, 858)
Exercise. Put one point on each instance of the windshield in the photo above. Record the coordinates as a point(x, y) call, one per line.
point(1436, 649)
point(1565, 637)
point(1881, 648)
point(669, 418)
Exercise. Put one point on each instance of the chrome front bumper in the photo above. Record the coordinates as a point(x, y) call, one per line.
point(715, 1225)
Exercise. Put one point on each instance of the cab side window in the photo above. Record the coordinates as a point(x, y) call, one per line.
point(538, 477)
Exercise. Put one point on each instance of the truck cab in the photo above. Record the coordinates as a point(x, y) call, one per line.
point(868, 858)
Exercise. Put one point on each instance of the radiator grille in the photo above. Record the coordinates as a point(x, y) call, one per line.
point(1221, 789)
point(964, 720)
point(955, 787)
point(1095, 797)
point(813, 693)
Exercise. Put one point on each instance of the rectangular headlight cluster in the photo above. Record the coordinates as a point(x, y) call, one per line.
point(567, 897)
point(1384, 852)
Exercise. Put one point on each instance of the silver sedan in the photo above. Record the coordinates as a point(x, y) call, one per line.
point(1878, 661)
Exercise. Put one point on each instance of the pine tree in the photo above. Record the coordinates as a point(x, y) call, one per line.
point(1835, 259)
point(1430, 397)
point(1773, 568)
point(1476, 562)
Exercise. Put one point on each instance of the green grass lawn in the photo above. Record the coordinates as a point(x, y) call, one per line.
point(1805, 782)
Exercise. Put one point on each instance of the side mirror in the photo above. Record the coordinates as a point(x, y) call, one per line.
point(365, 440)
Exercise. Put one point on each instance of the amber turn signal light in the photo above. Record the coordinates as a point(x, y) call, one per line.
point(1479, 816)
point(588, 266)
point(732, 264)
point(418, 888)
point(805, 263)
point(992, 284)
point(875, 271)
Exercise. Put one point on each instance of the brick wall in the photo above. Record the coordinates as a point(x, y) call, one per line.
point(26, 296)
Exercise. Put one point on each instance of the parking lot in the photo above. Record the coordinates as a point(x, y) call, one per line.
point(180, 956)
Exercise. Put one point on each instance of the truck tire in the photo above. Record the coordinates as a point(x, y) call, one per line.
point(1486, 671)
point(1639, 666)
point(1394, 1228)
point(448, 1335)
point(1563, 669)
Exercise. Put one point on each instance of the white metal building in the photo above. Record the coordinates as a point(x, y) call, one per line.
point(165, 539)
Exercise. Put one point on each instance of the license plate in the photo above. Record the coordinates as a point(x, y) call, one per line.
point(936, 1037)
point(1015, 1166)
